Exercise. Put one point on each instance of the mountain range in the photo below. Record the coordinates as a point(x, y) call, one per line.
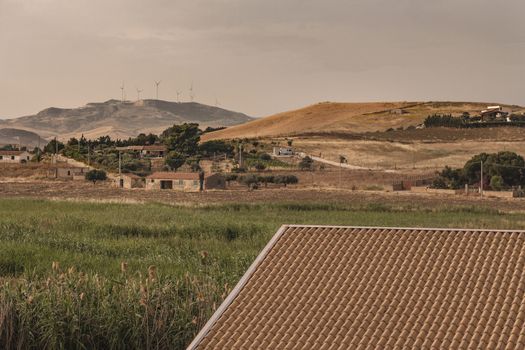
point(118, 119)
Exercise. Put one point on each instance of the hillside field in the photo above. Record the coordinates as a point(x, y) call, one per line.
point(352, 118)
point(147, 276)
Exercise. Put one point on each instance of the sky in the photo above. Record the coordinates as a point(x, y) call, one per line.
point(259, 57)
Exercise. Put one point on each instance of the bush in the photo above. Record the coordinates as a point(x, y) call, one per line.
point(260, 166)
point(496, 183)
point(286, 179)
point(306, 163)
point(265, 156)
point(445, 120)
point(96, 175)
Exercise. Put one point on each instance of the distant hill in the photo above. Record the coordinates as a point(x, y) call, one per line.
point(122, 119)
point(329, 117)
point(9, 136)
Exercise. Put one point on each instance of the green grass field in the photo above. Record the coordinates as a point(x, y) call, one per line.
point(134, 276)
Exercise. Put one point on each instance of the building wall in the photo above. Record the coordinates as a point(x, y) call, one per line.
point(177, 185)
point(68, 173)
point(215, 182)
point(15, 159)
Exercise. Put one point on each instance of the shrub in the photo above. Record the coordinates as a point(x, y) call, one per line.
point(265, 156)
point(306, 163)
point(96, 175)
point(286, 179)
point(496, 183)
point(260, 166)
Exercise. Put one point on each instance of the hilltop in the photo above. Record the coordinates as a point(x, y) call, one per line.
point(329, 117)
point(9, 136)
point(122, 119)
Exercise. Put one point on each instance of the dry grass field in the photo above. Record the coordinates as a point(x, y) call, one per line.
point(404, 155)
point(347, 118)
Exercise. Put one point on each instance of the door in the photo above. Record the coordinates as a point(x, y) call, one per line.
point(166, 184)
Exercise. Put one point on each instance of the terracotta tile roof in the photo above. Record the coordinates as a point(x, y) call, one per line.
point(11, 153)
point(172, 175)
point(154, 148)
point(317, 287)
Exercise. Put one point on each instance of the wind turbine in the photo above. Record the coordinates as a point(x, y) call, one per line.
point(192, 95)
point(138, 94)
point(178, 96)
point(122, 91)
point(157, 83)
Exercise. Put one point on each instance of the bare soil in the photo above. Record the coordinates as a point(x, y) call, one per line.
point(84, 191)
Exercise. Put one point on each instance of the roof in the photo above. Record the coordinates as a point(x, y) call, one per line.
point(12, 153)
point(321, 287)
point(154, 148)
point(143, 148)
point(131, 175)
point(171, 175)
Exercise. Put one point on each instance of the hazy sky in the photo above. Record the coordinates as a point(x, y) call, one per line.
point(260, 56)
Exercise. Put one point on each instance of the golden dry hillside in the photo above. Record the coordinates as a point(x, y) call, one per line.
point(346, 117)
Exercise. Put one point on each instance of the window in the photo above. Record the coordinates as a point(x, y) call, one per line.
point(195, 183)
point(181, 182)
point(69, 173)
point(12, 157)
point(1, 157)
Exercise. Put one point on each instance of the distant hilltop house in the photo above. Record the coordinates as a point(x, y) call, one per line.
point(283, 151)
point(65, 172)
point(14, 157)
point(492, 113)
point(148, 151)
point(186, 182)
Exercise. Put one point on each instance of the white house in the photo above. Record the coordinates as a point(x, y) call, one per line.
point(283, 151)
point(14, 157)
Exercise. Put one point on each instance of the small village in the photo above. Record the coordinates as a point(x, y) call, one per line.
point(262, 175)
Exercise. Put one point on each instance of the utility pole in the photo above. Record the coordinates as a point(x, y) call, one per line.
point(120, 164)
point(240, 155)
point(481, 182)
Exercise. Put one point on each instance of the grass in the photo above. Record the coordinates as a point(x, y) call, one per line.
point(148, 276)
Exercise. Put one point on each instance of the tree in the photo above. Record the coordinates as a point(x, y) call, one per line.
point(250, 180)
point(289, 142)
point(51, 147)
point(306, 163)
point(174, 160)
point(286, 179)
point(509, 165)
point(210, 148)
point(183, 139)
point(96, 175)
point(265, 156)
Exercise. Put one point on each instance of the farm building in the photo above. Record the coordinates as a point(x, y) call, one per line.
point(68, 172)
point(14, 157)
point(129, 180)
point(325, 287)
point(493, 113)
point(188, 182)
point(283, 151)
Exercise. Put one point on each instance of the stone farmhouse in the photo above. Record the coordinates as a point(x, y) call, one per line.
point(186, 182)
point(15, 157)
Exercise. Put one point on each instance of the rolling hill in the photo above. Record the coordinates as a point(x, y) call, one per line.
point(9, 136)
point(122, 119)
point(329, 117)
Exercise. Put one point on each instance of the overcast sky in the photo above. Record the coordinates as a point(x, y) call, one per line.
point(260, 56)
